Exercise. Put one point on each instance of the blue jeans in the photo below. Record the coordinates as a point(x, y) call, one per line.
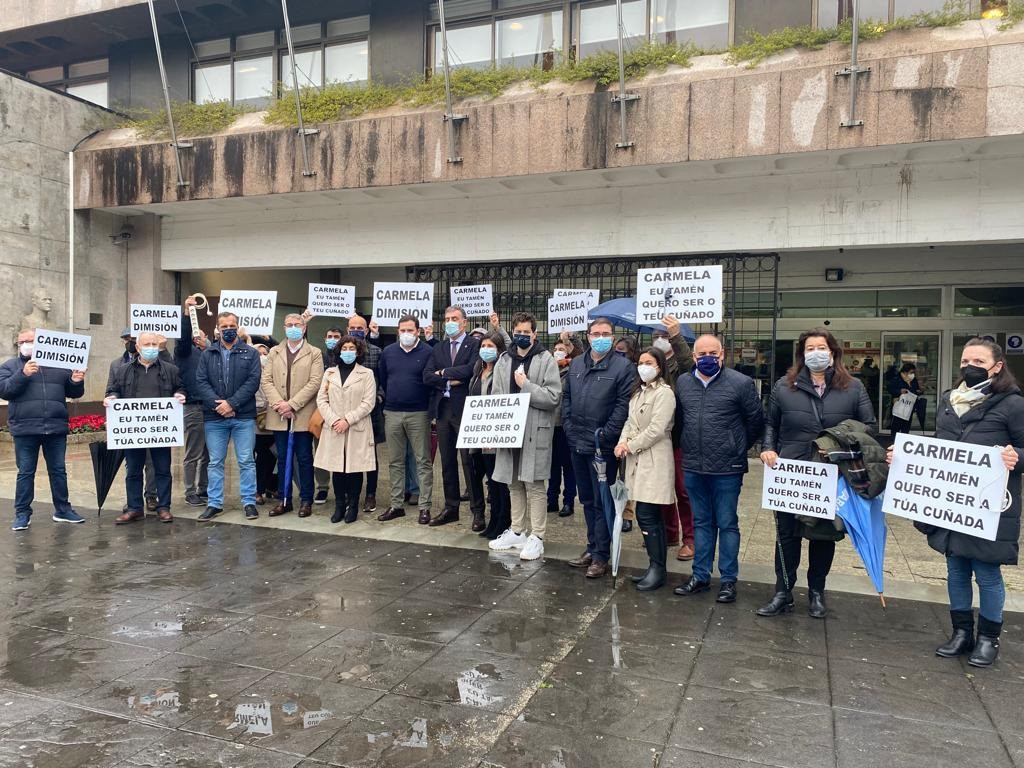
point(243, 433)
point(714, 499)
point(991, 591)
point(26, 455)
point(599, 538)
point(302, 464)
point(135, 460)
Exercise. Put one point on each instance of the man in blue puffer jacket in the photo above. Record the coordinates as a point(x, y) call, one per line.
point(38, 418)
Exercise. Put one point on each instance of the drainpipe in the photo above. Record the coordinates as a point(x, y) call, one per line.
point(71, 229)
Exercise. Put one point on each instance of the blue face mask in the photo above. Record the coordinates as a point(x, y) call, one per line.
point(331, 343)
point(602, 344)
point(149, 354)
point(348, 356)
point(357, 334)
point(709, 365)
point(229, 335)
point(451, 329)
point(488, 354)
point(522, 340)
point(294, 333)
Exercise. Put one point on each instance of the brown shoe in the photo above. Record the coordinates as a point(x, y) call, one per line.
point(597, 569)
point(165, 515)
point(685, 552)
point(583, 561)
point(281, 509)
point(393, 513)
point(130, 517)
point(448, 516)
point(478, 522)
point(424, 517)
point(305, 509)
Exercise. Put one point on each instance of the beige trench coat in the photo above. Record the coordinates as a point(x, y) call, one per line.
point(351, 451)
point(307, 373)
point(650, 467)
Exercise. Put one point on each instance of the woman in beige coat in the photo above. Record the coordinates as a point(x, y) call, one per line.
point(646, 444)
point(346, 400)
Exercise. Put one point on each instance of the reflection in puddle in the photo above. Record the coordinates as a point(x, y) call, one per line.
point(255, 718)
point(313, 719)
point(156, 629)
point(616, 639)
point(418, 735)
point(155, 703)
point(474, 684)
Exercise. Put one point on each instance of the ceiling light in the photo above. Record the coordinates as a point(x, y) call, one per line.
point(515, 25)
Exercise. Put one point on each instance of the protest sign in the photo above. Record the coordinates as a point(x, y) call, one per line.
point(592, 295)
point(692, 294)
point(392, 300)
point(164, 319)
point(327, 300)
point(476, 300)
point(493, 421)
point(140, 422)
point(568, 313)
point(54, 349)
point(951, 485)
point(801, 488)
point(254, 309)
point(256, 718)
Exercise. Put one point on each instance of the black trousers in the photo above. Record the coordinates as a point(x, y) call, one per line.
point(788, 546)
point(447, 437)
point(347, 486)
point(266, 463)
point(479, 472)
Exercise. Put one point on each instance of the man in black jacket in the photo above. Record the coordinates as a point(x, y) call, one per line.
point(595, 399)
point(227, 380)
point(187, 351)
point(448, 374)
point(721, 417)
point(38, 418)
point(147, 376)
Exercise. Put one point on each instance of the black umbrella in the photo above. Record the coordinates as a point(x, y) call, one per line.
point(105, 464)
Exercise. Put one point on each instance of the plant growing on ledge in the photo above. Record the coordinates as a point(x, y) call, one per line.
point(189, 119)
point(78, 425)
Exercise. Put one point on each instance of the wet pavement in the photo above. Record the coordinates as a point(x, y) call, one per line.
point(231, 645)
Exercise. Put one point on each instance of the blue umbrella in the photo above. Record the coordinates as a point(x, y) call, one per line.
point(622, 312)
point(288, 461)
point(866, 525)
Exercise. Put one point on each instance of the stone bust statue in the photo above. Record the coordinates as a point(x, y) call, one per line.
point(42, 303)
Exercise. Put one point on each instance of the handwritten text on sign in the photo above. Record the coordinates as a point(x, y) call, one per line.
point(493, 421)
point(164, 319)
point(801, 488)
point(567, 313)
point(54, 349)
point(393, 300)
point(254, 309)
point(951, 485)
point(331, 300)
point(692, 294)
point(476, 300)
point(155, 422)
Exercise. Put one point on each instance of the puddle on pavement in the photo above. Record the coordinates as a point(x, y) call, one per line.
point(474, 686)
point(265, 718)
point(153, 629)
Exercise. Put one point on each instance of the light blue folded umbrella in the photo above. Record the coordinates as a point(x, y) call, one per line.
point(865, 523)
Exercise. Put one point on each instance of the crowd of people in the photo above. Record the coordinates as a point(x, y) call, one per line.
point(680, 423)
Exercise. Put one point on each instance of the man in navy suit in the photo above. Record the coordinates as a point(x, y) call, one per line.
point(448, 375)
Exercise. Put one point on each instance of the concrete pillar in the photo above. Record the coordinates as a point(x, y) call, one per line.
point(397, 39)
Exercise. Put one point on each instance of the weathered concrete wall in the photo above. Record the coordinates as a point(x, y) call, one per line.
point(924, 85)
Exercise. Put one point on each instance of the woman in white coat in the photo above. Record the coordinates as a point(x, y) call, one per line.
point(345, 400)
point(646, 444)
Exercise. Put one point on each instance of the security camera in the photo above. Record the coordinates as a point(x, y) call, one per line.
point(123, 236)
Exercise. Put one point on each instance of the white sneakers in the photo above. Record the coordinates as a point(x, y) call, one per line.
point(533, 549)
point(508, 540)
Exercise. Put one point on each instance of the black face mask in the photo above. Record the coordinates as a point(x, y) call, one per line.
point(130, 347)
point(974, 375)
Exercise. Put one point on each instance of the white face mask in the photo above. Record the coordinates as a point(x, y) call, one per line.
point(407, 340)
point(661, 343)
point(560, 354)
point(26, 348)
point(648, 373)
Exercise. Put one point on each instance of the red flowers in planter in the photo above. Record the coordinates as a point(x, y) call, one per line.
point(93, 423)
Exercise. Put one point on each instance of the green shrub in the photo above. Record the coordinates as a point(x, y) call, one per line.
point(189, 119)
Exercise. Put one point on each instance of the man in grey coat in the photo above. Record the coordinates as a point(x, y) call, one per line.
point(530, 369)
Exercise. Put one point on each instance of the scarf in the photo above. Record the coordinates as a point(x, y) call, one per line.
point(963, 398)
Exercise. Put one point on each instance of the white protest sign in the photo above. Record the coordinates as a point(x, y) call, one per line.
point(801, 488)
point(568, 313)
point(254, 309)
point(692, 294)
point(327, 300)
point(392, 300)
point(951, 485)
point(164, 319)
point(139, 422)
point(54, 349)
point(592, 295)
point(255, 717)
point(476, 300)
point(314, 718)
point(493, 421)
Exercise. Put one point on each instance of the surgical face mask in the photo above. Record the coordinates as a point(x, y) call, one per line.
point(709, 365)
point(149, 354)
point(560, 354)
point(451, 328)
point(488, 354)
point(662, 344)
point(229, 335)
point(407, 340)
point(818, 360)
point(293, 332)
point(263, 361)
point(602, 344)
point(26, 348)
point(522, 340)
point(911, 376)
point(359, 334)
point(974, 375)
point(648, 373)
point(331, 343)
point(348, 356)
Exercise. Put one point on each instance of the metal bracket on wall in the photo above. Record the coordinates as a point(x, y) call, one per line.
point(451, 119)
point(853, 71)
point(622, 97)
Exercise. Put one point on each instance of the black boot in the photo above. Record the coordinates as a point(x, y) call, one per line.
point(781, 602)
point(339, 509)
point(652, 526)
point(962, 640)
point(986, 649)
point(816, 603)
point(353, 511)
point(641, 577)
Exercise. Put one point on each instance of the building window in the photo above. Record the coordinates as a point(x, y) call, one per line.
point(254, 80)
point(833, 12)
point(704, 23)
point(347, 62)
point(86, 80)
point(212, 83)
point(597, 28)
point(529, 41)
point(308, 68)
point(470, 47)
point(831, 304)
point(1001, 301)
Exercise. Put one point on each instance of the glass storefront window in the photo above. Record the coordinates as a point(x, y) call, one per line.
point(348, 63)
point(467, 47)
point(529, 41)
point(254, 80)
point(93, 92)
point(831, 12)
point(599, 27)
point(308, 69)
point(912, 302)
point(1001, 301)
point(212, 82)
point(704, 23)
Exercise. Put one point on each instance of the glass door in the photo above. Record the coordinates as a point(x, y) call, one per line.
point(922, 351)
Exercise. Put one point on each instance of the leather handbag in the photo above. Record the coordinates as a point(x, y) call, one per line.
point(316, 423)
